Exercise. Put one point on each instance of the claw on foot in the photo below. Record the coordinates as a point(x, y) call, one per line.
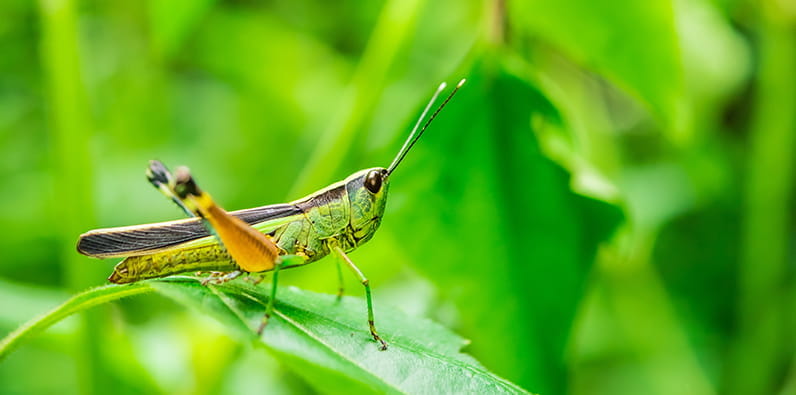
point(218, 278)
point(255, 278)
point(376, 336)
point(383, 344)
point(262, 325)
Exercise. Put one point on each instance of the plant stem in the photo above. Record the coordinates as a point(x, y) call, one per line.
point(765, 341)
point(392, 30)
point(70, 131)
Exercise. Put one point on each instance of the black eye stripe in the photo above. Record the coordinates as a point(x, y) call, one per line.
point(373, 181)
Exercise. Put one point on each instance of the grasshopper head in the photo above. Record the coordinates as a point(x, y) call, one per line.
point(367, 189)
point(367, 194)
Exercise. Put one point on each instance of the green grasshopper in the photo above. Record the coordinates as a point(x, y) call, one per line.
point(336, 219)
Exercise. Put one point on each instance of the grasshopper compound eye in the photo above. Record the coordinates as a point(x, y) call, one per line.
point(373, 181)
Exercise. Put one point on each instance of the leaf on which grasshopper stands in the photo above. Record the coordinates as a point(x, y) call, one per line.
point(321, 339)
point(328, 344)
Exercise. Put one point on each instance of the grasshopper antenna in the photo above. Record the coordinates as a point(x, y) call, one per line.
point(412, 138)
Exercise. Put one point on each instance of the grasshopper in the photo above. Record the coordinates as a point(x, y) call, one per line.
point(336, 219)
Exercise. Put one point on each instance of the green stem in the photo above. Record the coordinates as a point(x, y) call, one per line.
point(765, 342)
point(77, 303)
point(69, 129)
point(392, 30)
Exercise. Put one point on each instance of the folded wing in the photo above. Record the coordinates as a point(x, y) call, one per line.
point(150, 238)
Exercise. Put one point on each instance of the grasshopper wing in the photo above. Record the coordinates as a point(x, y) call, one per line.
point(150, 238)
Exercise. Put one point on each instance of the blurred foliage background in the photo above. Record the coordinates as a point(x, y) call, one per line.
point(606, 207)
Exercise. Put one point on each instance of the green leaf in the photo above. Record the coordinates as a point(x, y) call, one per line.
point(511, 239)
point(632, 43)
point(323, 340)
point(172, 21)
point(79, 302)
point(327, 342)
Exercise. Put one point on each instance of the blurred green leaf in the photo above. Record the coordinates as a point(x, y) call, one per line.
point(172, 21)
point(633, 43)
point(323, 340)
point(518, 243)
point(77, 303)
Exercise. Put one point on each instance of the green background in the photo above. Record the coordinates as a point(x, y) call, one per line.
point(605, 207)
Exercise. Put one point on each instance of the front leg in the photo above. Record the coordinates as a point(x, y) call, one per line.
point(366, 283)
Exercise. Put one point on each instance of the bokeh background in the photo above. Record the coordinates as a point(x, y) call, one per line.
point(606, 207)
